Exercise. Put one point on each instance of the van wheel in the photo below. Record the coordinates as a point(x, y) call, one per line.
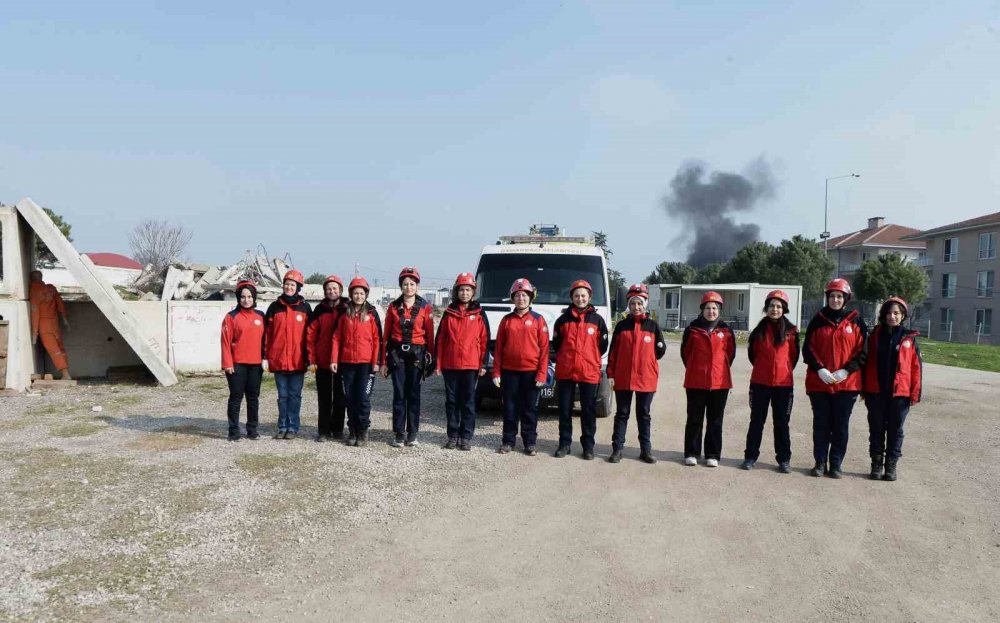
point(604, 406)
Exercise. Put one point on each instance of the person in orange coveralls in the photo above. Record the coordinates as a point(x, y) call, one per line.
point(46, 308)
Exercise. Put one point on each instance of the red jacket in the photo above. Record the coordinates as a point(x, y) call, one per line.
point(319, 333)
point(773, 363)
point(909, 367)
point(422, 332)
point(285, 344)
point(580, 339)
point(522, 345)
point(356, 340)
point(636, 347)
point(462, 337)
point(834, 345)
point(242, 337)
point(707, 356)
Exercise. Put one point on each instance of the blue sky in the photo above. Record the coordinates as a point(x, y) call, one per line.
point(415, 133)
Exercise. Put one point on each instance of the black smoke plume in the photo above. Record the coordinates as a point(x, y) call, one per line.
point(705, 208)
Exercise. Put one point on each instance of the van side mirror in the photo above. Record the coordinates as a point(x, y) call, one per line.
point(619, 304)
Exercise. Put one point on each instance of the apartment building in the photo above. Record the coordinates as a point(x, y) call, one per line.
point(879, 238)
point(961, 260)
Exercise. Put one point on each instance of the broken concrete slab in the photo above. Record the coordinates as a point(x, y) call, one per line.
point(100, 290)
point(52, 383)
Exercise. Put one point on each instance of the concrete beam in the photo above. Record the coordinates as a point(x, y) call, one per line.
point(100, 291)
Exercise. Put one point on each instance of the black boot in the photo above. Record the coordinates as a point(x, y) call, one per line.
point(877, 463)
point(890, 469)
point(818, 469)
point(362, 438)
point(616, 456)
point(352, 438)
point(835, 472)
point(646, 456)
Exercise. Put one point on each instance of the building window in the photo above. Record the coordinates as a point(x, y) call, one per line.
point(951, 249)
point(988, 246)
point(865, 256)
point(984, 284)
point(741, 300)
point(672, 300)
point(947, 319)
point(984, 321)
point(949, 282)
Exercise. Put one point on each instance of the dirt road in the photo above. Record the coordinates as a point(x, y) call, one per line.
point(565, 539)
point(143, 512)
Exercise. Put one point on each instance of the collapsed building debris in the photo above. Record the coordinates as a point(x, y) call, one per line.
point(215, 283)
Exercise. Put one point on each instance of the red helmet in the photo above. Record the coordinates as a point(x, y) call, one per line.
point(359, 282)
point(898, 300)
point(637, 289)
point(711, 297)
point(334, 279)
point(580, 283)
point(522, 285)
point(465, 279)
point(839, 285)
point(411, 272)
point(781, 295)
point(246, 283)
point(294, 275)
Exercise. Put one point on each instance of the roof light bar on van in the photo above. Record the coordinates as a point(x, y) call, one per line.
point(545, 239)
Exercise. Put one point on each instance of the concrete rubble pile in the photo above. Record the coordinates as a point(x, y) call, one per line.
point(213, 283)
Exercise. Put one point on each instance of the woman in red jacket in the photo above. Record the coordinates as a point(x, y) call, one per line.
point(893, 376)
point(834, 351)
point(708, 349)
point(354, 354)
point(409, 330)
point(580, 339)
point(287, 318)
point(520, 367)
point(319, 342)
point(242, 356)
point(461, 351)
point(636, 347)
point(773, 350)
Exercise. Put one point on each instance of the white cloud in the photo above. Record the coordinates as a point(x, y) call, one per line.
point(626, 98)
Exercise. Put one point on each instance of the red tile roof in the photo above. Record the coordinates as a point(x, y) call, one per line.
point(884, 236)
point(979, 221)
point(113, 260)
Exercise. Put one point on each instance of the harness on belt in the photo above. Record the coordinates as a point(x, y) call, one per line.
point(406, 324)
point(406, 352)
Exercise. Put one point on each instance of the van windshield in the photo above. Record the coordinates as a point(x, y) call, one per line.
point(551, 274)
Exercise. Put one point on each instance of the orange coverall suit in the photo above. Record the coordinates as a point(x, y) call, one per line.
point(46, 305)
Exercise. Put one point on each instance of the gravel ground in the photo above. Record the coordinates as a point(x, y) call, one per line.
point(144, 511)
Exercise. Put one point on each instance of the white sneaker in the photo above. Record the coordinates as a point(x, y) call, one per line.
point(711, 462)
point(690, 460)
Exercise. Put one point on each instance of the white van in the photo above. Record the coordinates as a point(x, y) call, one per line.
point(551, 262)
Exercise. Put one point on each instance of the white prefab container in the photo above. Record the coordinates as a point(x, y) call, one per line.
point(743, 305)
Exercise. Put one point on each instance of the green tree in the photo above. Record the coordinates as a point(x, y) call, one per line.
point(709, 273)
point(751, 264)
point(671, 272)
point(800, 261)
point(615, 278)
point(316, 278)
point(42, 253)
point(890, 274)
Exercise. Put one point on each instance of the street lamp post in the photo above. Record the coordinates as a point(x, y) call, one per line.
point(826, 200)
